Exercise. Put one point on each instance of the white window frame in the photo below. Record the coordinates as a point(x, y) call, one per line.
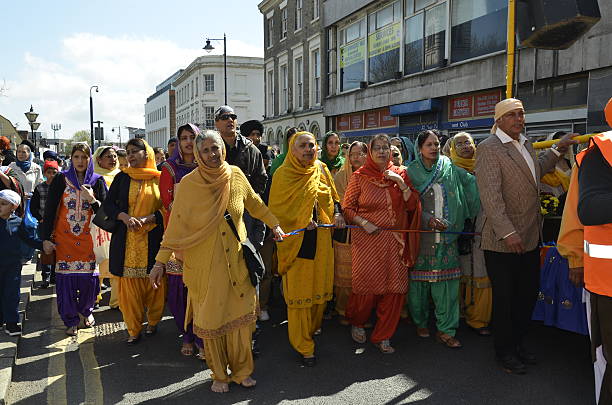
point(298, 82)
point(340, 41)
point(316, 10)
point(209, 117)
point(315, 82)
point(284, 23)
point(270, 91)
point(299, 15)
point(270, 24)
point(283, 78)
point(207, 82)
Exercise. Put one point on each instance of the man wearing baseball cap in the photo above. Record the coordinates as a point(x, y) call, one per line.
point(243, 153)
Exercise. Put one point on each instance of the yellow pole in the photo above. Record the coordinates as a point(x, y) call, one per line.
point(548, 144)
point(511, 48)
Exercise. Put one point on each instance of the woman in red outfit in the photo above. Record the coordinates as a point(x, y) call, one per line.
point(380, 196)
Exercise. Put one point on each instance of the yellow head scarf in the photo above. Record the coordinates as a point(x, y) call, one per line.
point(295, 190)
point(343, 176)
point(503, 107)
point(108, 174)
point(199, 204)
point(467, 164)
point(149, 199)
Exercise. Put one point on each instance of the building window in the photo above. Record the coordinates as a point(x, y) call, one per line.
point(284, 88)
point(478, 28)
point(413, 44)
point(384, 42)
point(298, 14)
point(316, 77)
point(209, 83)
point(435, 36)
point(315, 9)
point(270, 93)
point(352, 55)
point(270, 32)
point(196, 87)
point(425, 37)
point(209, 117)
point(299, 82)
point(284, 20)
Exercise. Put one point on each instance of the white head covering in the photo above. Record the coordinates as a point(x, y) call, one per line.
point(10, 196)
point(503, 107)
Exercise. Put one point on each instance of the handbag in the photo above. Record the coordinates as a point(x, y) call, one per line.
point(252, 258)
point(103, 221)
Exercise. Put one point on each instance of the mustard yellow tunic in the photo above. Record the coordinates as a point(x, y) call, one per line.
point(221, 296)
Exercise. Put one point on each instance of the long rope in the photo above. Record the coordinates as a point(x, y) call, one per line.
point(297, 231)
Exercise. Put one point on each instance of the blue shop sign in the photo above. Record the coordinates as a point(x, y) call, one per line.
point(466, 124)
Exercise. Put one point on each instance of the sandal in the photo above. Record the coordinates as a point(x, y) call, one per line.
point(151, 330)
point(132, 340)
point(187, 349)
point(72, 331)
point(423, 332)
point(200, 354)
point(448, 340)
point(358, 334)
point(89, 321)
point(385, 347)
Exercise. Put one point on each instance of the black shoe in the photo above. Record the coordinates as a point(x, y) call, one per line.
point(511, 364)
point(12, 329)
point(44, 284)
point(526, 356)
point(309, 361)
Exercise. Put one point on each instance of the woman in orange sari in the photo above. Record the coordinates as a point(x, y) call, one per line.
point(380, 195)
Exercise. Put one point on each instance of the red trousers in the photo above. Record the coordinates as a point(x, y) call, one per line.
point(388, 310)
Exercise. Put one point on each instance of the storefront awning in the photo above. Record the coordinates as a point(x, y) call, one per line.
point(416, 107)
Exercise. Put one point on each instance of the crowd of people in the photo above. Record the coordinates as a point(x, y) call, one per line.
point(371, 232)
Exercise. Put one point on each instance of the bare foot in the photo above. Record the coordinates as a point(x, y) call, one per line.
point(201, 354)
point(187, 349)
point(248, 382)
point(220, 387)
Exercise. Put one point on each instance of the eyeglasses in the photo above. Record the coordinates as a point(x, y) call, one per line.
point(396, 154)
point(226, 117)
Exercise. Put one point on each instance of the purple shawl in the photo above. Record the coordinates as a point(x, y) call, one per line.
point(90, 177)
point(179, 167)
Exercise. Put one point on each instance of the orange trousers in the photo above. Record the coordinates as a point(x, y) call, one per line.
point(388, 309)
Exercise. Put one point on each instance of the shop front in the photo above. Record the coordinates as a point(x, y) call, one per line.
point(360, 126)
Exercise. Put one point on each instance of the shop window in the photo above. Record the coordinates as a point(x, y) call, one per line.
point(571, 92)
point(478, 28)
point(384, 42)
point(546, 95)
point(352, 56)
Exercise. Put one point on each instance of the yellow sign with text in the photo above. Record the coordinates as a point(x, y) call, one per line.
point(352, 53)
point(385, 40)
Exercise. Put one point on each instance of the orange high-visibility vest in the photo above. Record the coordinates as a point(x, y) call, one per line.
point(598, 238)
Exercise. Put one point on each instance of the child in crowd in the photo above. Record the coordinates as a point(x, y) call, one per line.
point(122, 157)
point(12, 235)
point(37, 208)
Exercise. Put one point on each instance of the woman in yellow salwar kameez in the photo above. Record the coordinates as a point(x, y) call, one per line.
point(222, 302)
point(302, 195)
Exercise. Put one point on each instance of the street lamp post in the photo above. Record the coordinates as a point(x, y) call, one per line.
point(113, 130)
point(99, 133)
point(209, 48)
point(55, 127)
point(31, 116)
point(91, 122)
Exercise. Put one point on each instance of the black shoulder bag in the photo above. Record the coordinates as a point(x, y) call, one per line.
point(252, 258)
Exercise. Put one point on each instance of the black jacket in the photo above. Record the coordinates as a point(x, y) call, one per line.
point(247, 157)
point(595, 185)
point(56, 192)
point(117, 202)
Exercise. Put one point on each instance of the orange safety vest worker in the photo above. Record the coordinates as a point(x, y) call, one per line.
point(598, 239)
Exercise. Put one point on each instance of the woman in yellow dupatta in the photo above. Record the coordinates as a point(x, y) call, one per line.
point(302, 195)
point(134, 202)
point(477, 295)
point(222, 301)
point(106, 164)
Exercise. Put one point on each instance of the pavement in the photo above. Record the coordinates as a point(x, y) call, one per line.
point(98, 367)
point(9, 344)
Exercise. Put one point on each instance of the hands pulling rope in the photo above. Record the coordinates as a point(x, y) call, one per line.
point(297, 231)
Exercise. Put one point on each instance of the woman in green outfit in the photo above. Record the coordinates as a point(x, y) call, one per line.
point(449, 196)
point(331, 154)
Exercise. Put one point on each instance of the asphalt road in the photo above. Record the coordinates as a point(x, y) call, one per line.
point(98, 367)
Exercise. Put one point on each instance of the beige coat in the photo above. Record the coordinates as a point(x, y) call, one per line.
point(509, 195)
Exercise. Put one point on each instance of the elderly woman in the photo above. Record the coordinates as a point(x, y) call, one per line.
point(181, 163)
point(135, 204)
point(28, 173)
point(74, 197)
point(106, 165)
point(330, 154)
point(406, 148)
point(356, 157)
point(477, 299)
point(302, 195)
point(396, 157)
point(380, 196)
point(449, 196)
point(222, 300)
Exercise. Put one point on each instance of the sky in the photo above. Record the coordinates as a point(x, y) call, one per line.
point(52, 52)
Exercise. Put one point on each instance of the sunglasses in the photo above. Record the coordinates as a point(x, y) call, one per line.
point(226, 117)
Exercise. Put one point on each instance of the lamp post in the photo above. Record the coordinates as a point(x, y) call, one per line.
point(100, 135)
point(209, 48)
point(31, 116)
point(113, 131)
point(55, 127)
point(91, 114)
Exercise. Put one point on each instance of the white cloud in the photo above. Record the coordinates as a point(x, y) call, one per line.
point(126, 68)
